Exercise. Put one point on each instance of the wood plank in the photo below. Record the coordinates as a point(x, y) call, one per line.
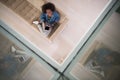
point(21, 7)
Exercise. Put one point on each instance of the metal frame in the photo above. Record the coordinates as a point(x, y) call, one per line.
point(113, 5)
point(28, 50)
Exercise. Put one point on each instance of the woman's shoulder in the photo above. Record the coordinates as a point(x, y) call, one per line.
point(56, 13)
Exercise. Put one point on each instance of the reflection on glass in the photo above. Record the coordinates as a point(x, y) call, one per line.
point(12, 63)
point(16, 64)
point(101, 61)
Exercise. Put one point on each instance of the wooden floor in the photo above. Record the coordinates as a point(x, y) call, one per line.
point(30, 12)
point(80, 18)
point(23, 8)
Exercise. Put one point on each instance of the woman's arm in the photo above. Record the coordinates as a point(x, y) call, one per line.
point(42, 17)
point(57, 19)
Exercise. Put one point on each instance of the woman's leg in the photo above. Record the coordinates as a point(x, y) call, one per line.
point(40, 28)
point(48, 31)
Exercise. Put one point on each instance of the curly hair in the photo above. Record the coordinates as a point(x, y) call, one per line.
point(48, 5)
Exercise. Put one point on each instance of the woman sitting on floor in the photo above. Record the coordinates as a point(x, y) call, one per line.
point(48, 19)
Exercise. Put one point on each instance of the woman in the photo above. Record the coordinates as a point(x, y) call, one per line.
point(48, 18)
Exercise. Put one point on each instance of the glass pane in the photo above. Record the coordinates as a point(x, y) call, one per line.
point(16, 64)
point(101, 61)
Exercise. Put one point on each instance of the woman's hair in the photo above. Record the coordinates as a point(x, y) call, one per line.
point(48, 5)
